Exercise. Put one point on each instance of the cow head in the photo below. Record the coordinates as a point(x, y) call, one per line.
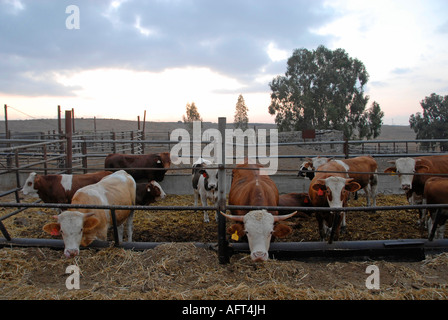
point(163, 160)
point(306, 170)
point(336, 189)
point(155, 190)
point(29, 186)
point(308, 167)
point(75, 228)
point(405, 168)
point(259, 228)
point(210, 178)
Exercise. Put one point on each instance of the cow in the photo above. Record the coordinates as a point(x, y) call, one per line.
point(139, 165)
point(205, 184)
point(294, 199)
point(83, 226)
point(59, 188)
point(436, 192)
point(368, 181)
point(307, 168)
point(331, 190)
point(414, 172)
point(147, 193)
point(250, 188)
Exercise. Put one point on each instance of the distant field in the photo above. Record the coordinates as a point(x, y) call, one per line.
point(388, 132)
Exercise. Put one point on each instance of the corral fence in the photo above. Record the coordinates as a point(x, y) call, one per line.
point(71, 154)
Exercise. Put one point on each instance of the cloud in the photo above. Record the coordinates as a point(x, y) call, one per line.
point(238, 39)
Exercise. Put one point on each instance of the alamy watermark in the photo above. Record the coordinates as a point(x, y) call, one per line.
point(72, 21)
point(189, 147)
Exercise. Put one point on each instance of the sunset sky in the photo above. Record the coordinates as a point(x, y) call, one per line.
point(130, 56)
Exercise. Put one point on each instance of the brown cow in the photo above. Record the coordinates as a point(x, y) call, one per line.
point(414, 184)
point(138, 165)
point(250, 188)
point(147, 193)
point(59, 188)
point(368, 181)
point(331, 190)
point(436, 192)
point(294, 199)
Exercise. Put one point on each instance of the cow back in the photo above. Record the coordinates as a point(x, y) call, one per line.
point(252, 189)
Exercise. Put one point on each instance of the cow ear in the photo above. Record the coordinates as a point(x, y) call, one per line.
point(90, 223)
point(352, 186)
point(391, 170)
point(281, 230)
point(53, 228)
point(319, 186)
point(237, 228)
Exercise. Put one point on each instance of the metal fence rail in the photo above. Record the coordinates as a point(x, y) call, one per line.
point(72, 153)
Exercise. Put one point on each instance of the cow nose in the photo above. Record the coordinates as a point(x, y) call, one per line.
point(405, 187)
point(212, 186)
point(71, 253)
point(259, 256)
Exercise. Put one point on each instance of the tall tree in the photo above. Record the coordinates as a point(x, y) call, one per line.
point(241, 119)
point(191, 114)
point(324, 89)
point(433, 122)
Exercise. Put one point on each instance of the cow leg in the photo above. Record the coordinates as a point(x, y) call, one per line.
point(120, 229)
point(196, 195)
point(343, 223)
point(321, 226)
point(368, 192)
point(374, 188)
point(204, 204)
point(130, 225)
point(334, 235)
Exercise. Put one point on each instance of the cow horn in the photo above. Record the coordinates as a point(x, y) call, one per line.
point(284, 217)
point(234, 218)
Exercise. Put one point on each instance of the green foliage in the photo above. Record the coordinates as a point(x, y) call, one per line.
point(241, 119)
point(191, 114)
point(324, 89)
point(433, 123)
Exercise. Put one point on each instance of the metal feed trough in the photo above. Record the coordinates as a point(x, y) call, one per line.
point(406, 249)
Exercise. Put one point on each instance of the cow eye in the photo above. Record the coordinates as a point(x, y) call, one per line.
point(29, 183)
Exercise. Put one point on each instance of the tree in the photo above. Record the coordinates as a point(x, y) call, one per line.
point(191, 114)
point(433, 123)
point(324, 89)
point(241, 119)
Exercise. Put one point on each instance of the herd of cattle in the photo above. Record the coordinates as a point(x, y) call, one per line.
point(133, 180)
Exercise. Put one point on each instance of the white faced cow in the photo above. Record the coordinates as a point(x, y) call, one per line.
point(205, 184)
point(82, 226)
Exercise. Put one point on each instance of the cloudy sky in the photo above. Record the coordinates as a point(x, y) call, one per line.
point(128, 56)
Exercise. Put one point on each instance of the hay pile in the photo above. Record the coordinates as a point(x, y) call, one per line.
point(182, 271)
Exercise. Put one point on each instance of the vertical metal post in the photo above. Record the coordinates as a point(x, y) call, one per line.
point(223, 245)
point(115, 227)
point(68, 137)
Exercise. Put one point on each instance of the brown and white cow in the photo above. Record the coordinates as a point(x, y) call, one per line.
point(436, 192)
point(409, 170)
point(331, 190)
point(147, 193)
point(83, 226)
point(205, 184)
point(368, 180)
point(139, 165)
point(59, 188)
point(252, 189)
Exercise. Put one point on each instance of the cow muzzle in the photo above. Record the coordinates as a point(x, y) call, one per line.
point(71, 253)
point(405, 187)
point(259, 256)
